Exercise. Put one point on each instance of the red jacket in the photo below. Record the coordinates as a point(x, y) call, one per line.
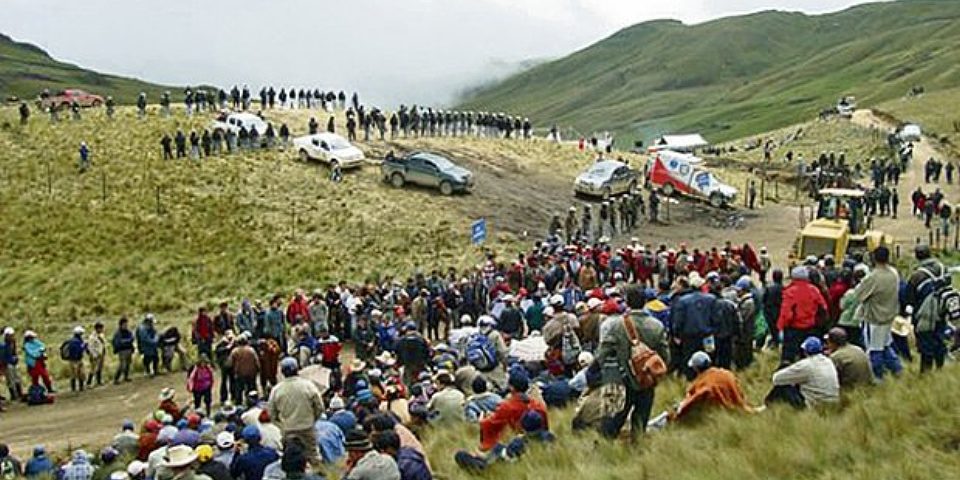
point(836, 293)
point(508, 414)
point(203, 328)
point(298, 307)
point(801, 300)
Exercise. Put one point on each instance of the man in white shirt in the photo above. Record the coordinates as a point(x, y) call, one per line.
point(809, 382)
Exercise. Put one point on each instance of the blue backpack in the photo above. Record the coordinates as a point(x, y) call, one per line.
point(481, 352)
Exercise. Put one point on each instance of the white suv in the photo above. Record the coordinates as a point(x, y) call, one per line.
point(233, 122)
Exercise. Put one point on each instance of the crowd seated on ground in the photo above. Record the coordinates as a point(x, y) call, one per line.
point(271, 391)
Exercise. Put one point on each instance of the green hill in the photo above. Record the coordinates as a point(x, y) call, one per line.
point(25, 70)
point(738, 76)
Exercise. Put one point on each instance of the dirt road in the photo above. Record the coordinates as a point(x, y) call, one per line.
point(906, 229)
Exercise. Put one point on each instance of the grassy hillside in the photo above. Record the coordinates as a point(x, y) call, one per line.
point(244, 225)
point(25, 70)
point(738, 76)
point(937, 112)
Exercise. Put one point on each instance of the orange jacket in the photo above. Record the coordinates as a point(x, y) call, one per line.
point(508, 414)
point(714, 387)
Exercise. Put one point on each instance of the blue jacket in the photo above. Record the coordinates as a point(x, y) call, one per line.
point(8, 356)
point(147, 340)
point(33, 350)
point(37, 466)
point(76, 347)
point(330, 440)
point(412, 465)
point(690, 313)
point(122, 341)
point(250, 465)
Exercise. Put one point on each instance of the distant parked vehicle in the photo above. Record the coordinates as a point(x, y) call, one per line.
point(846, 106)
point(910, 132)
point(328, 148)
point(233, 122)
point(65, 99)
point(428, 170)
point(607, 178)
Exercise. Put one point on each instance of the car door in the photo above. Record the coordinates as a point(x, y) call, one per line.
point(415, 171)
point(431, 174)
point(618, 180)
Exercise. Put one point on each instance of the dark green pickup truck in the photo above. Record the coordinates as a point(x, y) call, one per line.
point(428, 170)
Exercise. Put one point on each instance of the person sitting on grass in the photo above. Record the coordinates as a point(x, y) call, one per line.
point(508, 414)
point(712, 387)
point(809, 382)
point(534, 429)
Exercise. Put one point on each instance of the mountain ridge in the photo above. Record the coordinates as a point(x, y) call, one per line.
point(737, 76)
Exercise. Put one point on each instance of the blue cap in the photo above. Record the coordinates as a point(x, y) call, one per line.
point(744, 283)
point(289, 364)
point(128, 425)
point(39, 450)
point(812, 346)
point(250, 433)
point(531, 421)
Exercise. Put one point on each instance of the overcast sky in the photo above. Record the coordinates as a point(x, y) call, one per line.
point(392, 51)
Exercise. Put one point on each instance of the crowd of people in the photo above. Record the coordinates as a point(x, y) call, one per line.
point(577, 323)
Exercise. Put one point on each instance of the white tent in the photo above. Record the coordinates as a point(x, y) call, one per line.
point(682, 143)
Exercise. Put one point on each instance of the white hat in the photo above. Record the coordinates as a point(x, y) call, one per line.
point(548, 312)
point(594, 303)
point(167, 394)
point(8, 331)
point(29, 334)
point(78, 330)
point(585, 358)
point(556, 300)
point(119, 475)
point(466, 319)
point(507, 298)
point(225, 440)
point(136, 467)
point(179, 456)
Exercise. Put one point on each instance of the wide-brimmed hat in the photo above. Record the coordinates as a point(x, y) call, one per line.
point(179, 456)
point(386, 358)
point(167, 394)
point(357, 365)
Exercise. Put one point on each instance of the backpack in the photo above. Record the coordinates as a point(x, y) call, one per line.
point(71, 352)
point(481, 352)
point(645, 365)
point(37, 395)
point(569, 346)
point(8, 469)
point(949, 304)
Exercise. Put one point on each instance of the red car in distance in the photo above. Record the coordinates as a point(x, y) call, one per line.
point(65, 99)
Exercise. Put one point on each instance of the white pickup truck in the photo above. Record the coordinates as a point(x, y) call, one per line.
point(328, 148)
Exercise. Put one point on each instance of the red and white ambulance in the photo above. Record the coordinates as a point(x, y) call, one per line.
point(674, 172)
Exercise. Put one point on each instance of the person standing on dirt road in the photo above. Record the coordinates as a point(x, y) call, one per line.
point(122, 343)
point(148, 343)
point(73, 351)
point(295, 406)
point(35, 358)
point(8, 363)
point(752, 193)
point(96, 352)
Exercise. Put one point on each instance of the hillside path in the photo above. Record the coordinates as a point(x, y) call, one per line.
point(906, 229)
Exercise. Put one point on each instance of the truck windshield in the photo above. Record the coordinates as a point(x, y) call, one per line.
point(817, 246)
